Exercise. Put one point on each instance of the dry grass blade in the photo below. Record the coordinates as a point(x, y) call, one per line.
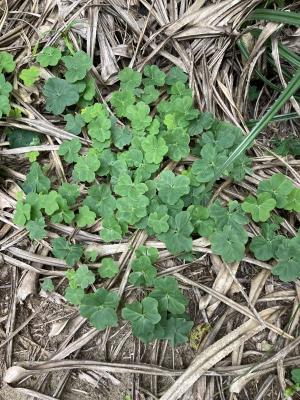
point(216, 352)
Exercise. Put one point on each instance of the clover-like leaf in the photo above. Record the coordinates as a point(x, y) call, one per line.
point(229, 244)
point(167, 293)
point(177, 238)
point(22, 213)
point(36, 229)
point(85, 167)
point(59, 94)
point(150, 252)
point(132, 209)
point(143, 317)
point(100, 308)
point(138, 115)
point(85, 217)
point(177, 330)
point(108, 268)
point(177, 141)
point(63, 213)
point(125, 187)
point(100, 200)
point(5, 87)
point(7, 63)
point(143, 272)
point(154, 76)
point(69, 149)
point(120, 100)
point(49, 56)
point(155, 148)
point(49, 202)
point(205, 169)
point(82, 277)
point(74, 295)
point(279, 186)
point(64, 250)
point(70, 192)
point(171, 187)
point(4, 105)
point(74, 123)
point(36, 181)
point(129, 78)
point(176, 75)
point(264, 247)
point(30, 75)
point(149, 94)
point(288, 255)
point(293, 201)
point(121, 136)
point(111, 230)
point(260, 207)
point(77, 65)
point(158, 220)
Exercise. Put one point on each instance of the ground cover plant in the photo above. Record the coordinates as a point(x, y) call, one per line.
point(145, 170)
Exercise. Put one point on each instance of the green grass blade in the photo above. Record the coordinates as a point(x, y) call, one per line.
point(277, 118)
point(291, 88)
point(289, 56)
point(282, 17)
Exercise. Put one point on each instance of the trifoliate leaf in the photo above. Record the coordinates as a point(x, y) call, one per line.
point(85, 167)
point(138, 115)
point(100, 200)
point(21, 138)
point(100, 308)
point(7, 63)
point(203, 122)
point(143, 272)
point(64, 214)
point(74, 123)
point(49, 56)
point(125, 187)
point(120, 100)
point(22, 214)
point(155, 148)
point(4, 105)
point(169, 296)
point(64, 250)
point(175, 75)
point(99, 128)
point(177, 141)
point(293, 201)
point(260, 207)
point(132, 209)
point(47, 285)
point(149, 94)
point(5, 87)
point(150, 252)
point(205, 169)
point(154, 76)
point(69, 149)
point(178, 239)
point(279, 186)
point(36, 229)
point(59, 94)
point(36, 181)
point(129, 78)
point(177, 330)
point(74, 295)
point(171, 187)
point(49, 202)
point(121, 136)
point(158, 220)
point(228, 244)
point(92, 112)
point(70, 192)
point(288, 255)
point(77, 66)
point(264, 247)
point(86, 217)
point(30, 75)
point(180, 89)
point(111, 230)
point(143, 317)
point(108, 268)
point(133, 157)
point(82, 277)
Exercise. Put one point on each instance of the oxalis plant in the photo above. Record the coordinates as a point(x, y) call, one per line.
point(151, 162)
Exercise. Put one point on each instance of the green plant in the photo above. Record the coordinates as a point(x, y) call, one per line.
point(135, 175)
